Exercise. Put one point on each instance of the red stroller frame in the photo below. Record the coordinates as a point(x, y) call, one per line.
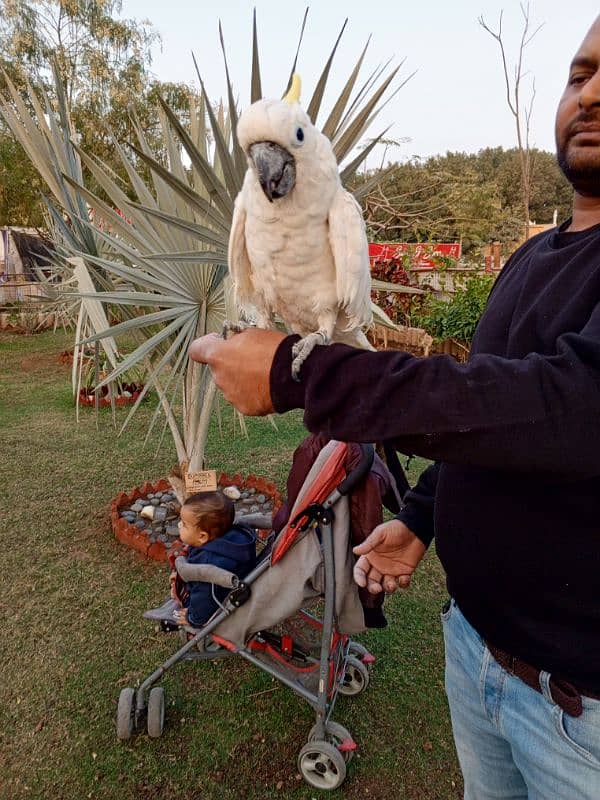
point(315, 670)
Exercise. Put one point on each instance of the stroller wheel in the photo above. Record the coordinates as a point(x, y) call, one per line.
point(126, 714)
point(322, 765)
point(156, 712)
point(336, 735)
point(356, 677)
point(357, 650)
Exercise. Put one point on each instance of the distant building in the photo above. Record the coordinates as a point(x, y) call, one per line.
point(534, 228)
point(22, 252)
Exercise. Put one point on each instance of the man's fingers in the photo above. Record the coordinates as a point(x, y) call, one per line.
point(203, 349)
point(364, 572)
point(361, 568)
point(374, 580)
point(366, 575)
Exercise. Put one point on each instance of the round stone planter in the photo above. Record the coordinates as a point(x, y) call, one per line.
point(141, 539)
point(87, 397)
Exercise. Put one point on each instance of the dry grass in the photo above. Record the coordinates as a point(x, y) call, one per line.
point(71, 602)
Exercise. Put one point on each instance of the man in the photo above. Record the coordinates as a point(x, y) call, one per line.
point(515, 490)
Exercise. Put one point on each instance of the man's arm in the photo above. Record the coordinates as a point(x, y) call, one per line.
point(532, 414)
point(417, 512)
point(537, 413)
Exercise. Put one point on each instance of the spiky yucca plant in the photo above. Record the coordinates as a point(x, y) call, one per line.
point(162, 249)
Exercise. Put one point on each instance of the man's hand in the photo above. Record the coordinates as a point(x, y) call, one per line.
point(241, 367)
point(388, 557)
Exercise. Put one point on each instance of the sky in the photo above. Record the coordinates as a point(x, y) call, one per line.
point(456, 101)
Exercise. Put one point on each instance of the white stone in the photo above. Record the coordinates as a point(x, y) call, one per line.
point(148, 512)
point(232, 492)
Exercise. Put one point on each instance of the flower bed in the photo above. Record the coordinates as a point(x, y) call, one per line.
point(157, 540)
point(130, 393)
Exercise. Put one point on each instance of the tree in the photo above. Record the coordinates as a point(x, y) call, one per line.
point(98, 56)
point(473, 197)
point(102, 64)
point(520, 111)
point(440, 198)
point(20, 185)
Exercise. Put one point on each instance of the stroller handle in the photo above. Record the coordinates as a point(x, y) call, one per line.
point(360, 471)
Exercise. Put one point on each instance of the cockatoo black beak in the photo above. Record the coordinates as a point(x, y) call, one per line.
point(276, 169)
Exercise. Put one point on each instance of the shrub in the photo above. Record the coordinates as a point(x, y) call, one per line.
point(397, 305)
point(456, 318)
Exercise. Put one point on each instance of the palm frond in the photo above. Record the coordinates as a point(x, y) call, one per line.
point(255, 82)
point(315, 101)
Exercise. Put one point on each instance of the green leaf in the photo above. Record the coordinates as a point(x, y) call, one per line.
point(355, 129)
point(353, 166)
point(333, 120)
point(200, 232)
point(192, 198)
point(216, 191)
point(316, 99)
point(293, 69)
point(238, 155)
point(255, 84)
point(232, 179)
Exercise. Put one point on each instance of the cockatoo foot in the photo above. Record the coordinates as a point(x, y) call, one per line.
point(235, 327)
point(303, 348)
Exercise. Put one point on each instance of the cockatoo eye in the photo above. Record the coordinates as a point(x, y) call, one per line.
point(299, 134)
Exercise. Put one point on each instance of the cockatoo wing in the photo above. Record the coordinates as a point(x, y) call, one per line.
point(240, 268)
point(348, 240)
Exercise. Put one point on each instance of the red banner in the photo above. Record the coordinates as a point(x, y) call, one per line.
point(421, 255)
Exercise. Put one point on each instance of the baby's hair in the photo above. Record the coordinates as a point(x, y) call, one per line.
point(213, 512)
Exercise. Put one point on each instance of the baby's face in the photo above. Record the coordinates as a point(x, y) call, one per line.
point(189, 532)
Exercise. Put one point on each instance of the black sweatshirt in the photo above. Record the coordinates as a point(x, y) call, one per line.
point(515, 501)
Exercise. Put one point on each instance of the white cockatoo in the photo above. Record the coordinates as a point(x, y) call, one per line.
point(298, 245)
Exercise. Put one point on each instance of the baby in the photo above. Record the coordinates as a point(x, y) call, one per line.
point(206, 525)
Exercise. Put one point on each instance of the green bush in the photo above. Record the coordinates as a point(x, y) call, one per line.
point(456, 318)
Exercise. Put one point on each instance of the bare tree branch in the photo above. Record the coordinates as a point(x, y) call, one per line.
point(522, 114)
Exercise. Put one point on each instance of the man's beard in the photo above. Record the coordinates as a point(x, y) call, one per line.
point(582, 168)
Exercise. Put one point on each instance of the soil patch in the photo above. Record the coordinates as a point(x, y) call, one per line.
point(36, 362)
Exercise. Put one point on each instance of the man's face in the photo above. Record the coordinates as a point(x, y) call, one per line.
point(578, 118)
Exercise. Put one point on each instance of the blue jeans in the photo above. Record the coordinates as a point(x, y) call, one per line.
point(513, 742)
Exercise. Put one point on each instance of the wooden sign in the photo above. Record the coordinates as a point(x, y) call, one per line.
point(205, 481)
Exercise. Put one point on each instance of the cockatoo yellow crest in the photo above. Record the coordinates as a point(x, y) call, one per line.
point(298, 246)
point(293, 95)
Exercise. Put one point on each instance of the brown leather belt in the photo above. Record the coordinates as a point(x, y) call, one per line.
point(564, 694)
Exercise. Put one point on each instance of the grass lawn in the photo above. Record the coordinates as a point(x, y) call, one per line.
point(71, 604)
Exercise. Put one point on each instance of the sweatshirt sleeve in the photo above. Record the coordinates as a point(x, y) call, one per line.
point(538, 413)
point(201, 603)
point(417, 511)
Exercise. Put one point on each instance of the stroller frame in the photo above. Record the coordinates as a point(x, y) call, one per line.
point(343, 664)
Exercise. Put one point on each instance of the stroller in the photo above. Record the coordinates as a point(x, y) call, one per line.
point(311, 654)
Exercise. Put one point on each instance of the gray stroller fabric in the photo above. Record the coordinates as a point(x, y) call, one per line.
point(298, 577)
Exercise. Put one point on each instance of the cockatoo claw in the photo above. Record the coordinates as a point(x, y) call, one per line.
point(303, 348)
point(235, 327)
